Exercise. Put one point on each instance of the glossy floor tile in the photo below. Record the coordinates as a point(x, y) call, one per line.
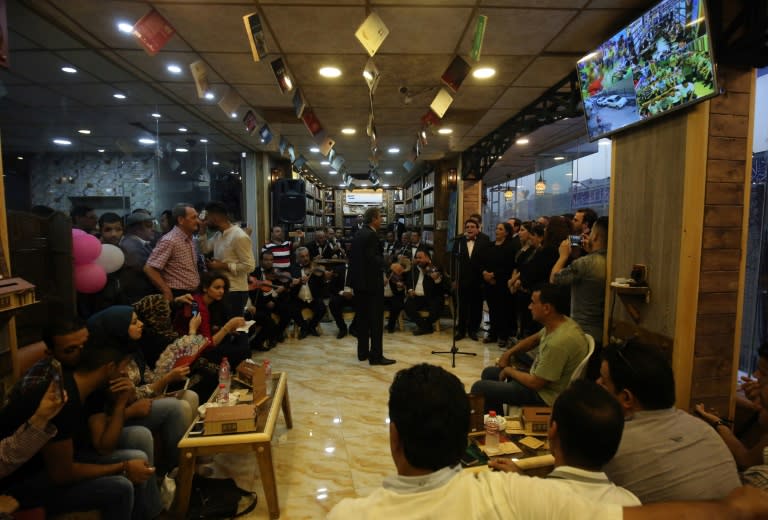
point(339, 444)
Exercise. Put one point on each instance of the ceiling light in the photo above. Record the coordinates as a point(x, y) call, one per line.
point(348, 131)
point(209, 95)
point(118, 96)
point(69, 70)
point(215, 163)
point(145, 140)
point(125, 27)
point(183, 172)
point(394, 149)
point(22, 158)
point(484, 73)
point(559, 158)
point(101, 150)
point(233, 114)
point(174, 69)
point(182, 129)
point(84, 131)
point(62, 142)
point(332, 172)
point(387, 172)
point(324, 163)
point(330, 72)
point(522, 140)
point(203, 140)
point(342, 185)
point(182, 150)
point(156, 115)
point(314, 149)
point(385, 185)
point(445, 131)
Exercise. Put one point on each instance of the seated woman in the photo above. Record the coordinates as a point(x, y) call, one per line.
point(168, 415)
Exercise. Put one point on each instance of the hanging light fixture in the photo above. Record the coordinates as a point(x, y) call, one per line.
point(508, 193)
point(541, 185)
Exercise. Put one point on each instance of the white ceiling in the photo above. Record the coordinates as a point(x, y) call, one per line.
point(532, 44)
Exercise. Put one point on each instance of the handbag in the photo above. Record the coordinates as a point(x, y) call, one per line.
point(218, 498)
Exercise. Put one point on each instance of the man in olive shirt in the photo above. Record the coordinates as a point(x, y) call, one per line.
point(562, 346)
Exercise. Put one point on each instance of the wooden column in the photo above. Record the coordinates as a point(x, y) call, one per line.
point(471, 201)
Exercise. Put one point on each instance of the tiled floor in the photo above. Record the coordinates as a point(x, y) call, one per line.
point(339, 445)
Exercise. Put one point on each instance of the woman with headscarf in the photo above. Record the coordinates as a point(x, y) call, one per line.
point(149, 406)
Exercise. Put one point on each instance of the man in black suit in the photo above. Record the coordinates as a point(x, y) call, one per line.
point(425, 293)
point(341, 296)
point(308, 289)
point(367, 275)
point(320, 247)
point(468, 256)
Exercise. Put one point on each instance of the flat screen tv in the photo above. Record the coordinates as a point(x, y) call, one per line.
point(658, 63)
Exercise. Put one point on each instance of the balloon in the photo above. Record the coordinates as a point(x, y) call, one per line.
point(78, 232)
point(85, 249)
point(111, 258)
point(90, 278)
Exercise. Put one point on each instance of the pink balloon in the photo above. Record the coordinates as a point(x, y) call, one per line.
point(85, 248)
point(90, 278)
point(77, 232)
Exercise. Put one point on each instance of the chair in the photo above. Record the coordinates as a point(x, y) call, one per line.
point(578, 373)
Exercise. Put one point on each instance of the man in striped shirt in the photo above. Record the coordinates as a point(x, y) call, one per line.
point(281, 249)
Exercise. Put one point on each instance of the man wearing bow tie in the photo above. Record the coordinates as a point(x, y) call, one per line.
point(468, 254)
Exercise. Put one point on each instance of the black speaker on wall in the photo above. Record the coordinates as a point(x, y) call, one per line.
point(290, 202)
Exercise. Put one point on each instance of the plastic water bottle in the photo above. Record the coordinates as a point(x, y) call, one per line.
point(222, 395)
point(268, 376)
point(225, 375)
point(491, 431)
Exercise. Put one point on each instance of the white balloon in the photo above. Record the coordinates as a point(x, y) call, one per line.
point(111, 258)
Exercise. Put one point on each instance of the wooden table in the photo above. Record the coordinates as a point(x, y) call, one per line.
point(259, 441)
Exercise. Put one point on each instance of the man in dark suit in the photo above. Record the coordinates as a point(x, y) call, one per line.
point(342, 296)
point(320, 247)
point(425, 293)
point(308, 289)
point(367, 275)
point(468, 256)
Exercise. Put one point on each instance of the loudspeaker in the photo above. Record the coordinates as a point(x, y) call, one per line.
point(290, 202)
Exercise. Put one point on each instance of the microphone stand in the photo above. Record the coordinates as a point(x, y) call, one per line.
point(454, 349)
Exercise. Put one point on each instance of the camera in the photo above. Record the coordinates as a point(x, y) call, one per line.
point(575, 240)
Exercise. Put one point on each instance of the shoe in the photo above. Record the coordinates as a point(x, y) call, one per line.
point(342, 333)
point(364, 357)
point(303, 333)
point(459, 336)
point(421, 332)
point(382, 361)
point(473, 336)
point(272, 343)
point(314, 331)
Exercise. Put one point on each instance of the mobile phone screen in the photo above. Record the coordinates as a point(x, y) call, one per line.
point(195, 309)
point(58, 379)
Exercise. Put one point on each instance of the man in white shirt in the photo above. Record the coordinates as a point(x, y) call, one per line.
point(429, 422)
point(584, 434)
point(232, 253)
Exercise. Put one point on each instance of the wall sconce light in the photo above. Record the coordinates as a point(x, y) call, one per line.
point(453, 179)
point(275, 174)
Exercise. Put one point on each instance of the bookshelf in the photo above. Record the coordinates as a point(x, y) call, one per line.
point(419, 206)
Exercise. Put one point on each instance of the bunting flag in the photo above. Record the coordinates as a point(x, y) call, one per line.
point(372, 33)
point(200, 75)
point(153, 32)
point(255, 36)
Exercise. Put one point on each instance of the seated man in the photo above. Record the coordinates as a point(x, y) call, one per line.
point(562, 346)
point(342, 296)
point(425, 291)
point(665, 453)
point(394, 294)
point(267, 299)
point(584, 434)
point(429, 413)
point(320, 247)
point(308, 289)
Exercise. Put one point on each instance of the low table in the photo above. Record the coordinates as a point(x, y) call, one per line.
point(260, 441)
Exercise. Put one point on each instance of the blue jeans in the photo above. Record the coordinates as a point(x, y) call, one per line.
point(167, 416)
point(497, 392)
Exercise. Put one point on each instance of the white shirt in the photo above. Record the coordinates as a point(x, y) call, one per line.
point(470, 247)
point(593, 485)
point(418, 290)
point(305, 294)
point(450, 493)
point(233, 247)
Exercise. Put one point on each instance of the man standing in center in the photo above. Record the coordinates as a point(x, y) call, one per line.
point(366, 267)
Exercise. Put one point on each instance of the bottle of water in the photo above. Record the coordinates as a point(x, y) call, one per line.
point(268, 376)
point(222, 395)
point(491, 431)
point(225, 375)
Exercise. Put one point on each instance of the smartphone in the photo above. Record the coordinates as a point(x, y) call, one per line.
point(197, 428)
point(58, 379)
point(575, 240)
point(195, 309)
point(176, 386)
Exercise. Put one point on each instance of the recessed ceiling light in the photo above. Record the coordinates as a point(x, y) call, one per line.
point(69, 70)
point(84, 131)
point(145, 140)
point(203, 140)
point(215, 163)
point(330, 72)
point(522, 140)
point(233, 114)
point(182, 150)
point(332, 172)
point(156, 115)
point(394, 149)
point(385, 185)
point(445, 131)
point(324, 163)
point(183, 172)
point(62, 142)
point(101, 150)
point(118, 96)
point(484, 72)
point(124, 27)
point(183, 129)
point(209, 95)
point(387, 172)
point(314, 149)
point(22, 158)
point(342, 185)
point(174, 69)
point(559, 158)
point(348, 131)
